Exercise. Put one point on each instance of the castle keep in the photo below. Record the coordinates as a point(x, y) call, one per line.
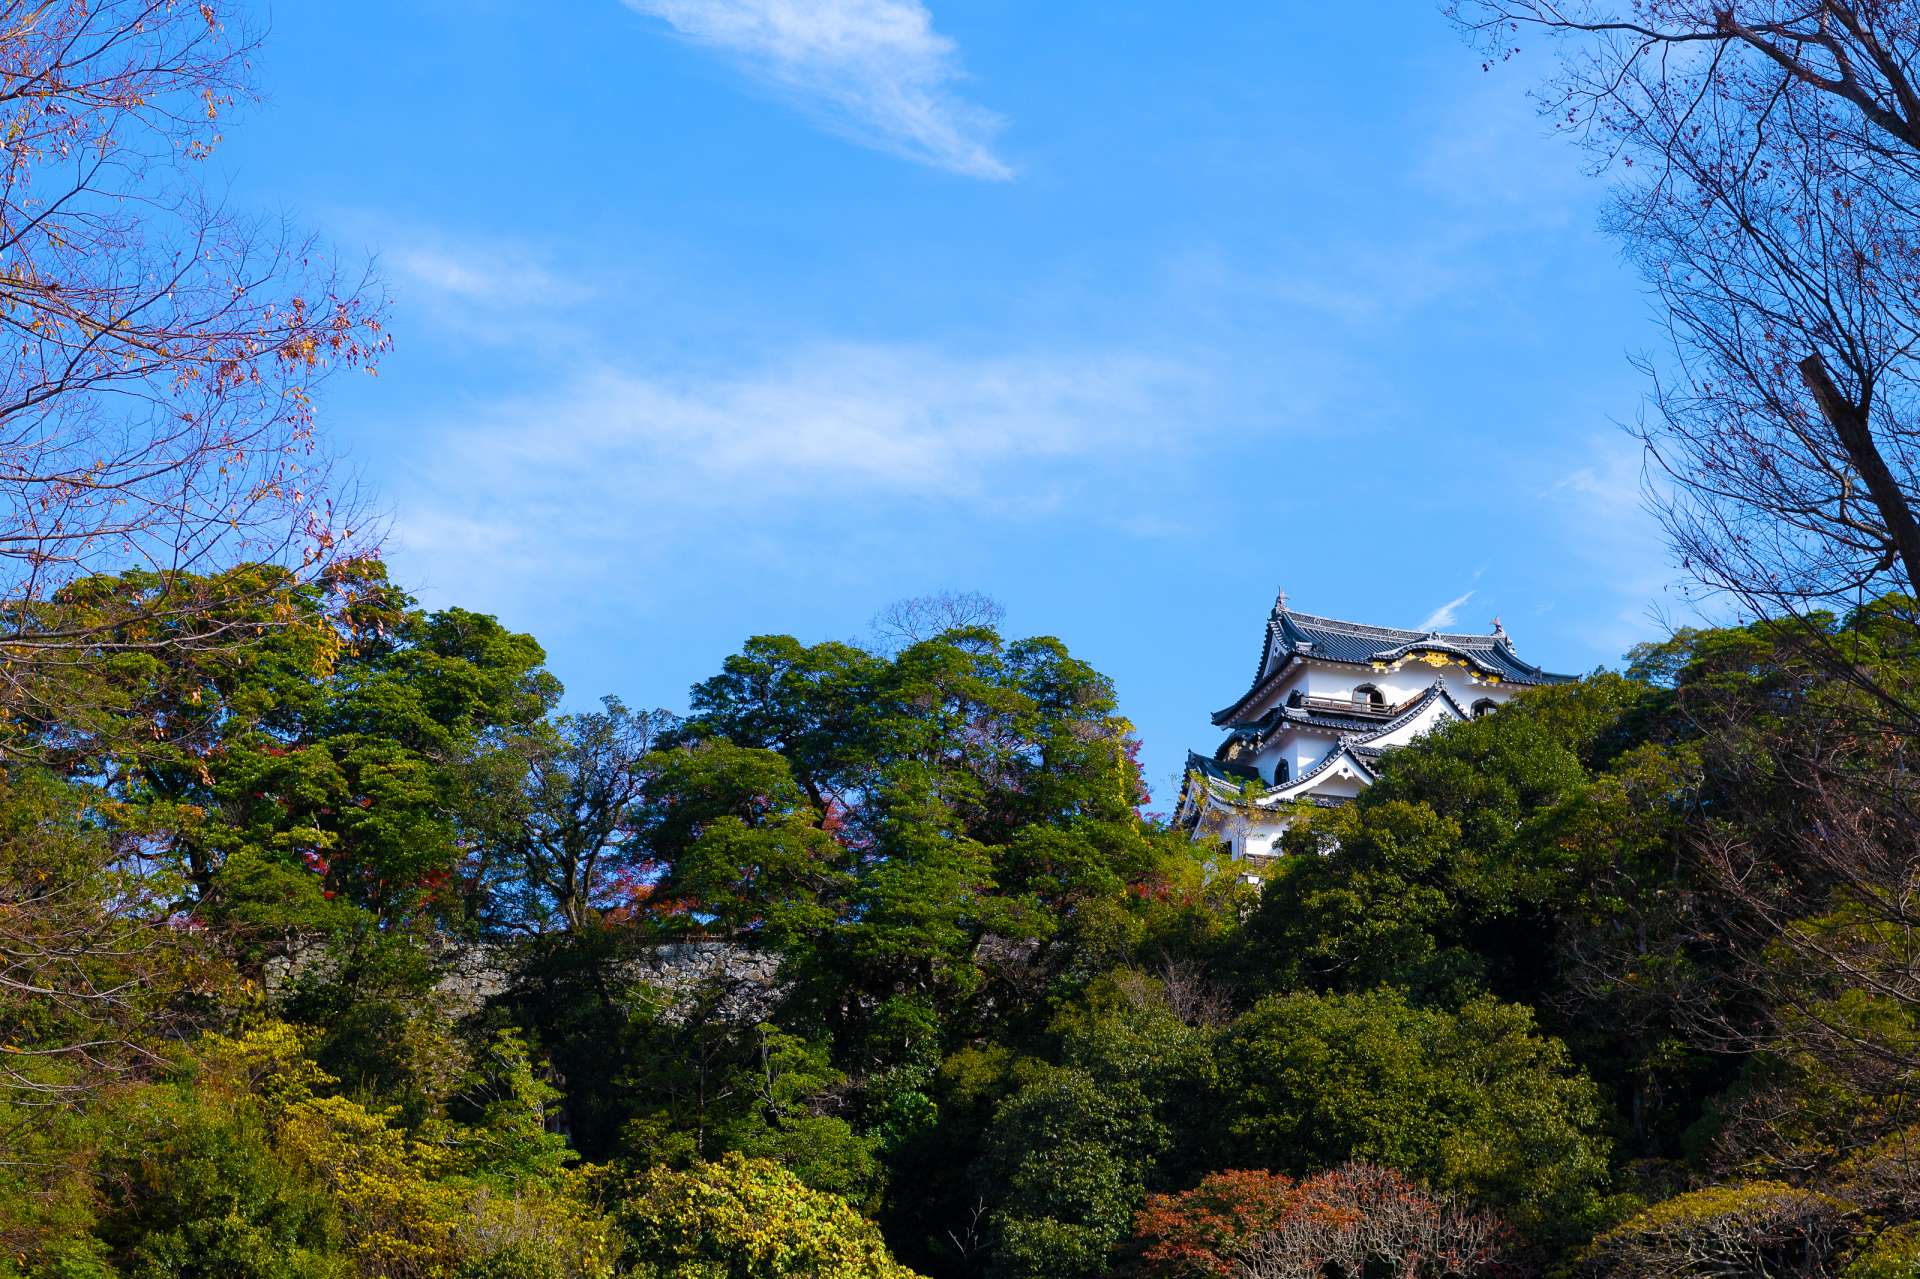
point(1328, 698)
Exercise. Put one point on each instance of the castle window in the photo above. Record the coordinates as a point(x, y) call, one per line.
point(1369, 697)
point(1482, 707)
point(1281, 772)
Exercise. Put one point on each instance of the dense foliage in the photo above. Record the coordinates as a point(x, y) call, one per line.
point(343, 951)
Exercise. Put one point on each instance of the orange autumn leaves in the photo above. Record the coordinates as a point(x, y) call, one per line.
point(1355, 1218)
point(160, 351)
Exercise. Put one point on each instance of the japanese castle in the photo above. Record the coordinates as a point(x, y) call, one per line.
point(1328, 697)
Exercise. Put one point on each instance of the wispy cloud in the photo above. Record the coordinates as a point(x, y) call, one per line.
point(1613, 486)
point(1617, 541)
point(839, 418)
point(616, 462)
point(1445, 615)
point(873, 70)
point(487, 275)
point(1488, 149)
point(1351, 281)
point(487, 288)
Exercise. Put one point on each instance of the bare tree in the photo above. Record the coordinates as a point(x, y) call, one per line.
point(970, 1239)
point(909, 621)
point(1813, 890)
point(1361, 1218)
point(1195, 998)
point(1771, 162)
point(1767, 165)
point(160, 353)
point(77, 961)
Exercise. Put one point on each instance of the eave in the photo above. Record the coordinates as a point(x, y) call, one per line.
point(1356, 646)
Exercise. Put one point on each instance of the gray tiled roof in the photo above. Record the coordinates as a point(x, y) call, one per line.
point(1336, 641)
point(1233, 774)
point(1353, 730)
point(1331, 640)
point(1228, 781)
point(1306, 718)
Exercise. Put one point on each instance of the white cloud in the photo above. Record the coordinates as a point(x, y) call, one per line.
point(873, 70)
point(1612, 487)
point(482, 274)
point(1617, 543)
point(494, 289)
point(1488, 149)
point(832, 417)
point(615, 462)
point(1351, 281)
point(1445, 615)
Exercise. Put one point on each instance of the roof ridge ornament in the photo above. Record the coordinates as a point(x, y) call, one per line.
point(1225, 798)
point(1291, 638)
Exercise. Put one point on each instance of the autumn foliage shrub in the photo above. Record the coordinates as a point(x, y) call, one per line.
point(1353, 1219)
point(740, 1218)
point(1759, 1228)
point(252, 1169)
point(1894, 1255)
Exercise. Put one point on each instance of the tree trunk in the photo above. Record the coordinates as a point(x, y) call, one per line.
point(1850, 424)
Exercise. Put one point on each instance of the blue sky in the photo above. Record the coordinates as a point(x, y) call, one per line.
point(719, 317)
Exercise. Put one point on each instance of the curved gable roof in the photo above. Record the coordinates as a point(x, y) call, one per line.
point(1342, 749)
point(1305, 635)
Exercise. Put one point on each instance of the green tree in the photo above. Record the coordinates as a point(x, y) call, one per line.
point(380, 1022)
point(1760, 1228)
point(1152, 1036)
point(817, 706)
point(1451, 872)
point(743, 852)
point(509, 1137)
point(341, 742)
point(1895, 1254)
point(192, 1188)
point(1064, 1169)
point(557, 821)
point(1476, 1101)
point(1534, 853)
point(786, 1086)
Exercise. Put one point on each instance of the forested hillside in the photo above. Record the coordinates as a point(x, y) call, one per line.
point(334, 945)
point(1572, 986)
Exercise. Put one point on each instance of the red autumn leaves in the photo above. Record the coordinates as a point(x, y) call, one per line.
point(1357, 1218)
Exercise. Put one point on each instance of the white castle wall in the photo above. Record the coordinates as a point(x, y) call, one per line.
point(1302, 748)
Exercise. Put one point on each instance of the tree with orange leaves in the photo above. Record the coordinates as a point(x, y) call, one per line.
point(1357, 1218)
point(160, 353)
